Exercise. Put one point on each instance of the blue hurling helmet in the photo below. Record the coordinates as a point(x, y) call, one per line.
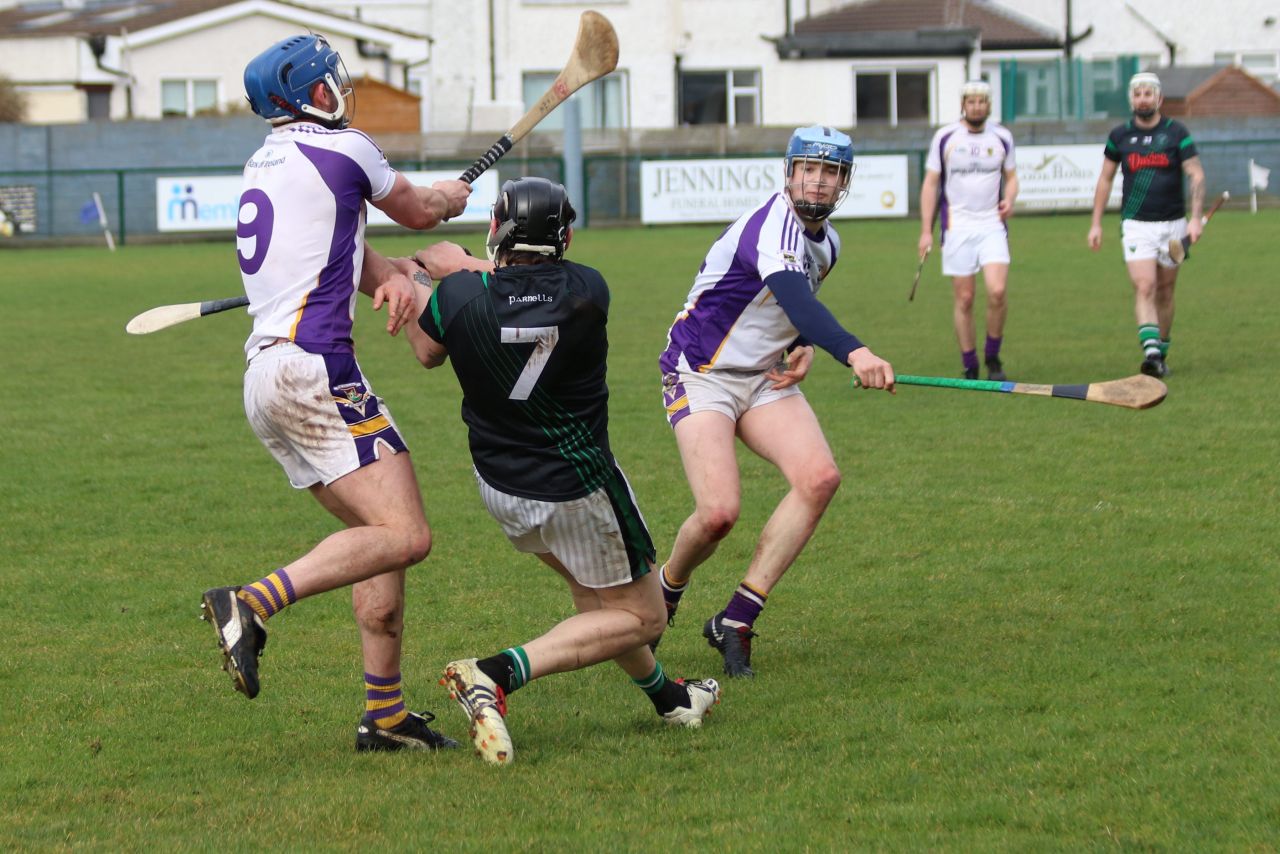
point(278, 81)
point(824, 144)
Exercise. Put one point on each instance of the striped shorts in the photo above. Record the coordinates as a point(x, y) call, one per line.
point(603, 542)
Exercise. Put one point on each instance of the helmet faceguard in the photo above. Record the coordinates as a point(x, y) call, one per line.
point(1145, 80)
point(278, 82)
point(530, 215)
point(823, 146)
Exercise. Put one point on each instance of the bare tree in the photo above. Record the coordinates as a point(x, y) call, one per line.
point(13, 104)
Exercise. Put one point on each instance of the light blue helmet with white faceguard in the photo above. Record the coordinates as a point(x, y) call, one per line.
point(279, 80)
point(826, 145)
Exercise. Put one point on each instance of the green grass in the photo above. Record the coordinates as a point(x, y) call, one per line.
point(1025, 624)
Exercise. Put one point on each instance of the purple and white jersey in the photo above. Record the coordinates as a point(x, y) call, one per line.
point(300, 235)
point(731, 320)
point(972, 167)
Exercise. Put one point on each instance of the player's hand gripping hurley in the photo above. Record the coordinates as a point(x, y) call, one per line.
point(1180, 248)
point(595, 54)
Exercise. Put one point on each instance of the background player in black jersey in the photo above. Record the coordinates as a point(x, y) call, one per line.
point(525, 334)
point(1154, 153)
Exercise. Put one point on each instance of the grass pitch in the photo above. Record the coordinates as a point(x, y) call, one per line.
point(1024, 624)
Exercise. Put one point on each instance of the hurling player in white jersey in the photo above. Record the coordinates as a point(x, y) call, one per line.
point(734, 356)
point(300, 244)
point(970, 176)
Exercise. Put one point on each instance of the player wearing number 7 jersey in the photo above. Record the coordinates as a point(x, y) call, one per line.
point(300, 243)
point(526, 336)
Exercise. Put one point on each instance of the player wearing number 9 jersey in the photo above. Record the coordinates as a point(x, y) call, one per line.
point(526, 336)
point(300, 244)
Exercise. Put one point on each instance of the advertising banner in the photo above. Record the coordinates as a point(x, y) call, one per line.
point(721, 190)
point(212, 202)
point(1061, 177)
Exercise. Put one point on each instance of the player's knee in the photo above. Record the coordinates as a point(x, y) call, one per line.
point(380, 616)
point(718, 520)
point(415, 546)
point(996, 298)
point(652, 623)
point(820, 484)
point(964, 302)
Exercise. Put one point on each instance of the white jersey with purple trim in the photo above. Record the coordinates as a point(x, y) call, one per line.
point(731, 320)
point(300, 235)
point(972, 166)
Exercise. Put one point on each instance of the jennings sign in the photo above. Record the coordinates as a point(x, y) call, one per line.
point(721, 190)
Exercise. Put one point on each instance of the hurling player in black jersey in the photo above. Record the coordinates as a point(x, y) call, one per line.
point(525, 333)
point(1154, 153)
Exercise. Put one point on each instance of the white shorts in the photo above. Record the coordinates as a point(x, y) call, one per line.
point(316, 414)
point(584, 534)
point(729, 392)
point(1143, 241)
point(964, 253)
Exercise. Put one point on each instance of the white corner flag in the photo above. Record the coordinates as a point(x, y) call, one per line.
point(106, 227)
point(1258, 176)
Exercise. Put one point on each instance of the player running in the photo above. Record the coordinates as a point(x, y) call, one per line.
point(1154, 153)
point(300, 243)
point(734, 356)
point(971, 166)
point(526, 337)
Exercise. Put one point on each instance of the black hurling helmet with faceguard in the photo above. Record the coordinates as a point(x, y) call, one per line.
point(531, 215)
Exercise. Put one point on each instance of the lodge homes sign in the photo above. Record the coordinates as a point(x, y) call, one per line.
point(722, 190)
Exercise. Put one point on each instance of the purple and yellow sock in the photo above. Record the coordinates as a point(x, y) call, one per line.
point(383, 700)
point(970, 360)
point(269, 595)
point(745, 606)
point(992, 348)
point(671, 590)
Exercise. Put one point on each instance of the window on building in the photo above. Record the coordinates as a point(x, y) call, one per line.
point(720, 97)
point(601, 103)
point(1263, 64)
point(891, 96)
point(97, 103)
point(188, 97)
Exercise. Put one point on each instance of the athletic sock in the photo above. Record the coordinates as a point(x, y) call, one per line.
point(383, 701)
point(666, 694)
point(970, 359)
point(1149, 338)
point(671, 591)
point(509, 668)
point(269, 595)
point(744, 607)
point(992, 349)
point(1164, 345)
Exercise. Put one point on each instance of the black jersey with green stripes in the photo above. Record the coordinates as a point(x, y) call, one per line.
point(1151, 161)
point(528, 345)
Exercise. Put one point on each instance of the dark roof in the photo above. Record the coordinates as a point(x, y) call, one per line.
point(917, 26)
point(1179, 81)
point(36, 18)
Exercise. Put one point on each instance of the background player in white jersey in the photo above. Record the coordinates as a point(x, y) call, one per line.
point(970, 176)
point(526, 336)
point(300, 243)
point(733, 358)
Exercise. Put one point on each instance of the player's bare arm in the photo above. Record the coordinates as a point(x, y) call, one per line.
point(441, 259)
point(928, 210)
point(421, 208)
point(871, 370)
point(1101, 193)
point(1194, 171)
point(381, 280)
point(1011, 187)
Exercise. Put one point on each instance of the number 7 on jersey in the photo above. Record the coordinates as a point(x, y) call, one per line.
point(546, 338)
